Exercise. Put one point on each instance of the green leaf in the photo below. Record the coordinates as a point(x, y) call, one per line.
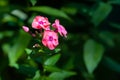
point(61, 75)
point(6, 48)
point(107, 38)
point(1, 35)
point(28, 51)
point(69, 10)
point(115, 25)
point(111, 64)
point(30, 20)
point(50, 11)
point(9, 18)
point(70, 64)
point(6, 34)
point(37, 75)
point(101, 13)
point(20, 14)
point(114, 1)
point(3, 2)
point(93, 53)
point(27, 70)
point(57, 50)
point(52, 69)
point(18, 48)
point(33, 2)
point(52, 60)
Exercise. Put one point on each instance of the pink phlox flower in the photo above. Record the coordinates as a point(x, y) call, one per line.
point(40, 22)
point(59, 28)
point(25, 28)
point(50, 39)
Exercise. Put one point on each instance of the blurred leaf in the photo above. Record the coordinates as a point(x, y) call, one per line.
point(6, 34)
point(115, 25)
point(93, 53)
point(69, 10)
point(52, 60)
point(3, 2)
point(1, 35)
point(27, 70)
point(18, 48)
point(6, 48)
point(28, 51)
point(57, 50)
point(12, 20)
point(114, 1)
point(61, 75)
point(76, 8)
point(9, 18)
point(30, 20)
point(20, 14)
point(50, 11)
point(37, 75)
point(33, 2)
point(70, 64)
point(101, 13)
point(52, 69)
point(107, 38)
point(111, 64)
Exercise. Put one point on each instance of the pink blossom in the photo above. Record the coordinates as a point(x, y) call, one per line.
point(50, 39)
point(40, 22)
point(25, 28)
point(59, 28)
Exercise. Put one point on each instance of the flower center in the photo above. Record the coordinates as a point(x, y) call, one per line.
point(50, 38)
point(40, 22)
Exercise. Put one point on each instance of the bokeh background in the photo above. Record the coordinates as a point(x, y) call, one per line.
point(90, 52)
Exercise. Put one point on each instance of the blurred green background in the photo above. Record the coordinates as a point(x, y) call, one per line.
point(90, 52)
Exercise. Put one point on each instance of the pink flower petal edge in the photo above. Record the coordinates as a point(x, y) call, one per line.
point(62, 31)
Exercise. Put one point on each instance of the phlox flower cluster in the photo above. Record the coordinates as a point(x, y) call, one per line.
point(49, 36)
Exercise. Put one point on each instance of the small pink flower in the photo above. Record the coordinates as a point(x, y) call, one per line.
point(25, 28)
point(59, 28)
point(50, 39)
point(40, 22)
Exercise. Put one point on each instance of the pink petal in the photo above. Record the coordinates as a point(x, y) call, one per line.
point(41, 22)
point(25, 28)
point(50, 43)
point(50, 46)
point(59, 28)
